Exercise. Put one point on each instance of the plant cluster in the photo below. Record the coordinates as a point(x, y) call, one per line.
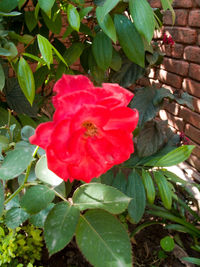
point(89, 138)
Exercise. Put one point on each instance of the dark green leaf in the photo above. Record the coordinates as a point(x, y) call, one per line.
point(39, 218)
point(102, 239)
point(102, 50)
point(97, 73)
point(55, 22)
point(8, 6)
point(116, 62)
point(107, 24)
point(73, 17)
point(40, 76)
point(129, 39)
point(99, 2)
point(46, 5)
point(85, 11)
point(15, 162)
point(2, 78)
point(107, 178)
point(26, 80)
point(128, 74)
point(37, 198)
point(143, 17)
point(30, 20)
point(16, 99)
point(60, 226)
point(120, 182)
point(135, 189)
point(96, 195)
point(26, 132)
point(73, 53)
point(21, 3)
point(164, 189)
point(192, 260)
point(15, 216)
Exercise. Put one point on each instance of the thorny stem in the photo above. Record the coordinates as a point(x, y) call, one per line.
point(25, 178)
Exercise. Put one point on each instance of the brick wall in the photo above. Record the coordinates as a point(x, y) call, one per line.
point(180, 70)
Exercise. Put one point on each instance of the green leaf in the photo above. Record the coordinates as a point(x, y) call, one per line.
point(97, 73)
point(45, 49)
point(164, 189)
point(135, 189)
point(15, 216)
point(103, 240)
point(15, 162)
point(54, 23)
point(11, 48)
point(149, 186)
point(85, 11)
point(2, 78)
point(60, 226)
point(106, 8)
point(102, 50)
point(30, 20)
point(153, 136)
point(107, 178)
point(73, 17)
point(147, 101)
point(116, 61)
point(21, 3)
point(120, 182)
point(174, 157)
point(4, 142)
point(26, 80)
point(43, 173)
point(1, 198)
point(129, 39)
point(40, 60)
point(167, 243)
point(96, 195)
point(7, 6)
point(46, 5)
point(73, 53)
point(40, 76)
point(107, 24)
point(26, 132)
point(192, 260)
point(37, 198)
point(128, 74)
point(39, 218)
point(143, 17)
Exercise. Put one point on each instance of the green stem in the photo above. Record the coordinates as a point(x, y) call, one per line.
point(60, 196)
point(25, 178)
point(8, 126)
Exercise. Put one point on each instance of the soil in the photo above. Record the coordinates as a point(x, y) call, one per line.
point(146, 251)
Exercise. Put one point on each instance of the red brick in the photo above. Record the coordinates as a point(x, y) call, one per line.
point(181, 17)
point(196, 150)
point(198, 2)
point(192, 133)
point(170, 78)
point(176, 122)
point(194, 161)
point(144, 81)
point(194, 72)
point(183, 35)
point(196, 104)
point(175, 51)
point(183, 3)
point(155, 3)
point(171, 107)
point(176, 66)
point(194, 18)
point(192, 53)
point(191, 87)
point(198, 40)
point(190, 116)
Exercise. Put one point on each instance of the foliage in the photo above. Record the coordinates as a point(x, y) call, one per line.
point(96, 213)
point(22, 244)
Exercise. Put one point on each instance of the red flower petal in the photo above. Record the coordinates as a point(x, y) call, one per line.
point(111, 148)
point(42, 135)
point(69, 84)
point(97, 115)
point(70, 104)
point(122, 118)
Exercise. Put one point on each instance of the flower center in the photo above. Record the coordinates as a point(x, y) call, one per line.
point(91, 129)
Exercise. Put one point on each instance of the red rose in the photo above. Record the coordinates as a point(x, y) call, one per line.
point(91, 129)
